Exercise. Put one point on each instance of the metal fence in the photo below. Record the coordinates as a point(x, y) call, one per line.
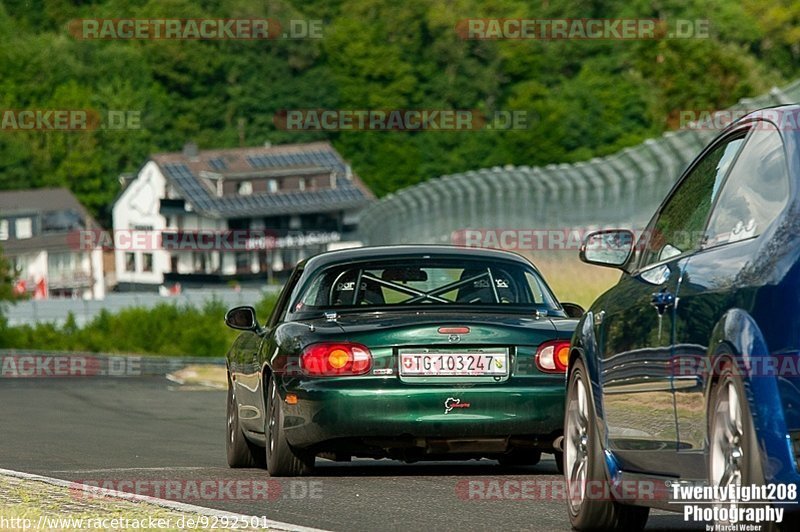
point(622, 189)
point(57, 310)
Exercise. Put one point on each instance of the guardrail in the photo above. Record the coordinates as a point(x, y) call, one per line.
point(620, 190)
point(32, 363)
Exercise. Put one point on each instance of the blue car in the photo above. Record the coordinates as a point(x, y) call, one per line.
point(683, 386)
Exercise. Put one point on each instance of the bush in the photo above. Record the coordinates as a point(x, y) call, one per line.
point(166, 329)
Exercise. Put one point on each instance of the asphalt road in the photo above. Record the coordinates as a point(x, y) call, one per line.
point(150, 436)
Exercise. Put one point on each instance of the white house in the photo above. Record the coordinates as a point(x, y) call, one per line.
point(40, 235)
point(200, 218)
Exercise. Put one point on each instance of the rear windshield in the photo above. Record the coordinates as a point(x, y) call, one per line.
point(434, 282)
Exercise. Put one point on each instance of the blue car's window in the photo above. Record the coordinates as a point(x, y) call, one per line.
point(679, 225)
point(755, 192)
point(420, 282)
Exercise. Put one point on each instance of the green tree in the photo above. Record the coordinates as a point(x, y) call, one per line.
point(584, 98)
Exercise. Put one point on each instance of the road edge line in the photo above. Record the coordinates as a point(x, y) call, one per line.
point(164, 503)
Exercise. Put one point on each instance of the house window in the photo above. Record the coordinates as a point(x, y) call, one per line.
point(3, 229)
point(272, 185)
point(61, 264)
point(301, 184)
point(130, 262)
point(23, 228)
point(245, 188)
point(200, 262)
point(243, 262)
point(147, 262)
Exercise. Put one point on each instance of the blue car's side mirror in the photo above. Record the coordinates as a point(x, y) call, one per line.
point(610, 248)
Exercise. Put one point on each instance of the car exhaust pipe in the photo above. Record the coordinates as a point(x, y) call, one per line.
point(558, 444)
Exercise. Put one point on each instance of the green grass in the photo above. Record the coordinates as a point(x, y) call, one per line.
point(572, 280)
point(32, 502)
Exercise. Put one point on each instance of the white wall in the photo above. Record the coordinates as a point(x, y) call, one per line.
point(98, 289)
point(139, 205)
point(33, 265)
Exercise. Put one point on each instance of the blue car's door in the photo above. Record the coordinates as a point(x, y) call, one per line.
point(730, 272)
point(637, 352)
point(634, 368)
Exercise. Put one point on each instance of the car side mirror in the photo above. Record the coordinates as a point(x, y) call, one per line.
point(610, 248)
point(573, 310)
point(241, 318)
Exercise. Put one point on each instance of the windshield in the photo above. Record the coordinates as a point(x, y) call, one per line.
point(433, 282)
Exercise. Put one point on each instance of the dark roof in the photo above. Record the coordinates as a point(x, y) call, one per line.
point(183, 170)
point(34, 202)
point(408, 251)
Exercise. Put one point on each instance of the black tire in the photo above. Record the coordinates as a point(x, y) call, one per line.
point(241, 452)
point(583, 464)
point(282, 459)
point(559, 458)
point(518, 457)
point(730, 424)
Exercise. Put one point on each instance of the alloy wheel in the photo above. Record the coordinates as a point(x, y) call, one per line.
point(726, 454)
point(231, 413)
point(272, 419)
point(576, 443)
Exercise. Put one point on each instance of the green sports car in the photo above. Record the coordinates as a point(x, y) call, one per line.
point(406, 352)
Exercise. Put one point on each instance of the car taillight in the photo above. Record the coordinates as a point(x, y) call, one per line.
point(453, 330)
point(553, 356)
point(336, 358)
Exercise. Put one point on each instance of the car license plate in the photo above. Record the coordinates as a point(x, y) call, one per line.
point(466, 363)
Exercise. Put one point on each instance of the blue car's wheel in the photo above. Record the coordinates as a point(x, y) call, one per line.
point(583, 465)
point(733, 458)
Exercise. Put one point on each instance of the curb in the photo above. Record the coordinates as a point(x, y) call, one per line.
point(172, 505)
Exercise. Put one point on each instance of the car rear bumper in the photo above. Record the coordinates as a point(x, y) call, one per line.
point(363, 410)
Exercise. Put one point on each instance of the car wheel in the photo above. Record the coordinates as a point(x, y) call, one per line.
point(518, 457)
point(583, 464)
point(282, 459)
point(559, 457)
point(241, 452)
point(733, 453)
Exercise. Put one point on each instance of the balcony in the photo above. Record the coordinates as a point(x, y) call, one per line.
point(69, 280)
